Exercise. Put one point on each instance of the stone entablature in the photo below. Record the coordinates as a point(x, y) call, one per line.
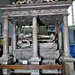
point(46, 11)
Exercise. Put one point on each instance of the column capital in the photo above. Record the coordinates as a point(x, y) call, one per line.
point(13, 22)
point(65, 14)
point(35, 18)
point(59, 26)
point(35, 15)
point(19, 26)
point(5, 17)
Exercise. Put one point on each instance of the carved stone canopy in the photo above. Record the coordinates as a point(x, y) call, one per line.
point(46, 13)
point(42, 20)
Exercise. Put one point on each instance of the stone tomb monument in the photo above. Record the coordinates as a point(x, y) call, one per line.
point(39, 49)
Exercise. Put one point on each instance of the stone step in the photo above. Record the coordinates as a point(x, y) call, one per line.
point(42, 71)
point(22, 71)
point(51, 71)
point(48, 62)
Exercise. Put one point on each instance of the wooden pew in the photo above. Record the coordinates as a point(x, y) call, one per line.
point(35, 67)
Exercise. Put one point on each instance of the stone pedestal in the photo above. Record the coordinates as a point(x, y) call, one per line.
point(6, 60)
point(69, 65)
point(35, 60)
point(35, 72)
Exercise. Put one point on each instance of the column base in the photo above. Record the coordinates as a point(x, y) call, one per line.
point(68, 58)
point(14, 59)
point(69, 64)
point(35, 72)
point(6, 60)
point(35, 60)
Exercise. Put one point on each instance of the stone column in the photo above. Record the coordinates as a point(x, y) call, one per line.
point(35, 38)
point(35, 58)
point(66, 37)
point(6, 37)
point(14, 40)
point(14, 37)
point(69, 66)
point(56, 36)
point(56, 29)
point(19, 29)
point(60, 37)
point(6, 59)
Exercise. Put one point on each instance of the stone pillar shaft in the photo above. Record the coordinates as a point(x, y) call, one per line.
point(66, 36)
point(19, 29)
point(6, 37)
point(56, 29)
point(35, 57)
point(60, 37)
point(14, 37)
point(35, 40)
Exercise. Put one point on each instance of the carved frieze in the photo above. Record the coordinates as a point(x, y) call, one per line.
point(34, 1)
point(32, 12)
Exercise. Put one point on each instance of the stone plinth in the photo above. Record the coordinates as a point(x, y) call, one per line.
point(35, 60)
point(48, 62)
point(69, 64)
point(35, 72)
point(6, 60)
point(49, 72)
